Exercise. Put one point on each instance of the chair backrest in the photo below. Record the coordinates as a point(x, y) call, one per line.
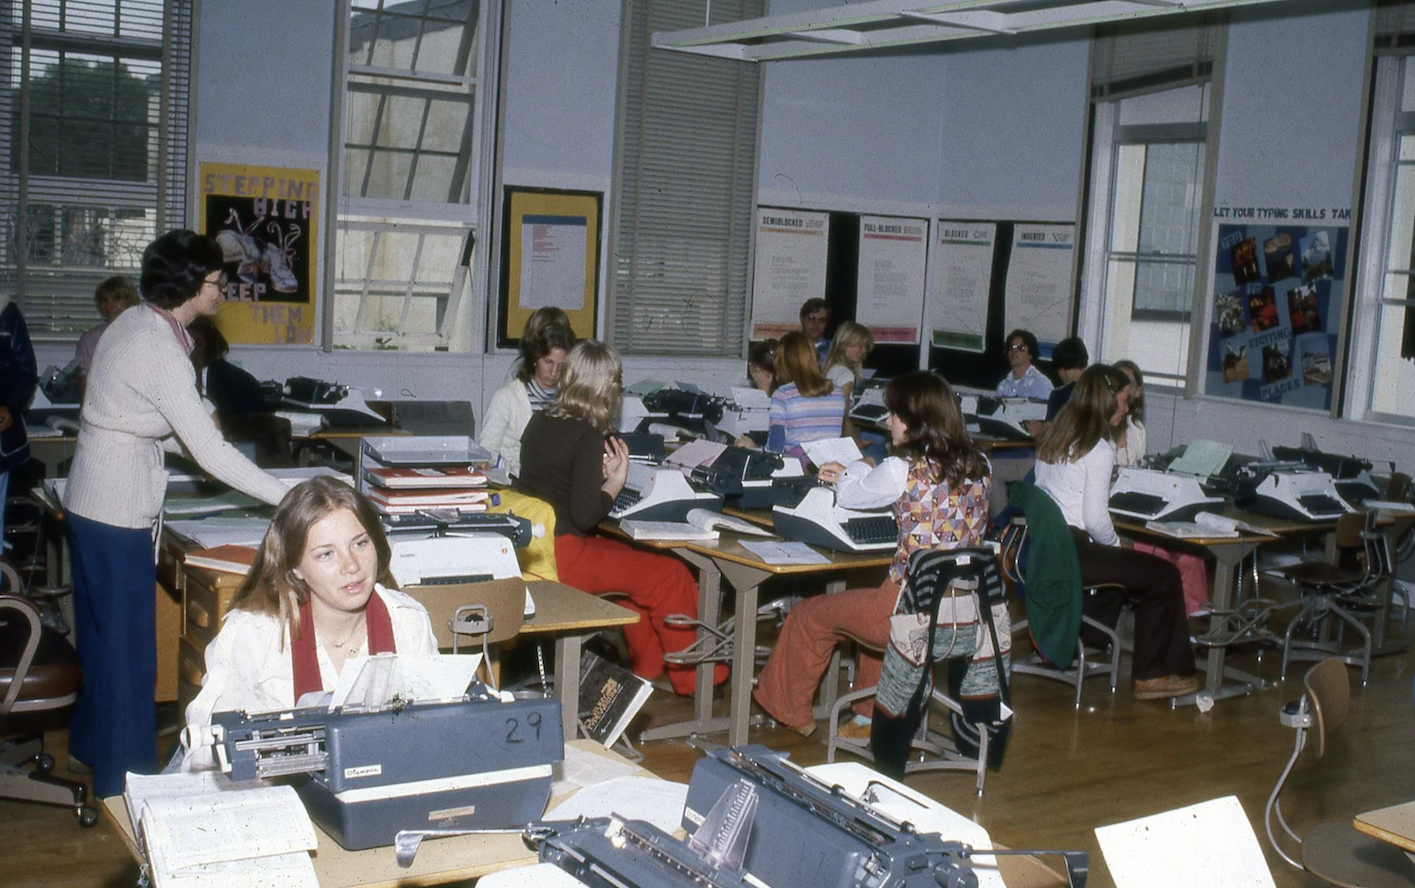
point(1398, 488)
point(1329, 695)
point(504, 600)
point(18, 620)
point(1348, 529)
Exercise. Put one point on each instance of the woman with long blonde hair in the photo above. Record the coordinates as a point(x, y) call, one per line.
point(571, 458)
point(318, 595)
point(806, 405)
point(1075, 456)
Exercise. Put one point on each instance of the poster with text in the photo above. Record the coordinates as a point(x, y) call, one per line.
point(958, 297)
point(551, 258)
point(889, 294)
point(266, 221)
point(788, 269)
point(1039, 279)
point(1277, 293)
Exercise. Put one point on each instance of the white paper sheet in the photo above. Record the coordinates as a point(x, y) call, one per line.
point(659, 802)
point(1211, 844)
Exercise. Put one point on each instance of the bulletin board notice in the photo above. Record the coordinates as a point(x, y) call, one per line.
point(1277, 293)
point(1039, 278)
point(550, 257)
point(957, 308)
point(788, 268)
point(889, 291)
point(266, 221)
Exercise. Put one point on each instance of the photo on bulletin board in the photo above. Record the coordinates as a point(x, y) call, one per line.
point(550, 244)
point(265, 220)
point(1277, 294)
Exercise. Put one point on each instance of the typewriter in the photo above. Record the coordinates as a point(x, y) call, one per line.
point(481, 762)
point(656, 493)
point(819, 521)
point(1000, 417)
point(744, 477)
point(1293, 493)
point(1351, 475)
point(869, 402)
point(450, 521)
point(339, 404)
point(746, 412)
point(1151, 495)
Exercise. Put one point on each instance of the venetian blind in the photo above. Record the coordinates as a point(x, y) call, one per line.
point(1395, 27)
point(1153, 54)
point(686, 151)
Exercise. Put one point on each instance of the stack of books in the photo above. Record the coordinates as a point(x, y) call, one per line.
point(403, 491)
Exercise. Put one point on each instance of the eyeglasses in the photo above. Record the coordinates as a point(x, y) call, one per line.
point(1018, 346)
point(219, 283)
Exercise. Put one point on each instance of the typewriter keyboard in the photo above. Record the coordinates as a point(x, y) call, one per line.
point(872, 412)
point(875, 529)
point(1137, 503)
point(1320, 504)
point(625, 499)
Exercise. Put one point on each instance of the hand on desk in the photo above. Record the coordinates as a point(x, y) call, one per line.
point(831, 472)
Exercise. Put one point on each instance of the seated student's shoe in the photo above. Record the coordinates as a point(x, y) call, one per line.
point(854, 730)
point(78, 767)
point(1165, 686)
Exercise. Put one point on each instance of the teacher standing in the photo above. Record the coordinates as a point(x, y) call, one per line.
point(141, 399)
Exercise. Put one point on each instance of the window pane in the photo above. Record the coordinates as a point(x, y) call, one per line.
point(400, 36)
point(1164, 287)
point(90, 117)
point(1394, 376)
point(1169, 218)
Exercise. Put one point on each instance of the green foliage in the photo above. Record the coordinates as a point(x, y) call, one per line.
point(88, 119)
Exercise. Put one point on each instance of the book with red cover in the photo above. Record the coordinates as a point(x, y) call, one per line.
point(426, 476)
point(227, 559)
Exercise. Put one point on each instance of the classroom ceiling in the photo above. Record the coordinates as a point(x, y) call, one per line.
point(860, 27)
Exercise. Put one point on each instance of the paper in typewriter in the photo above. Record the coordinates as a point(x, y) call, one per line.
point(373, 682)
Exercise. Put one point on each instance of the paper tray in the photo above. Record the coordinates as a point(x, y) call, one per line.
point(426, 450)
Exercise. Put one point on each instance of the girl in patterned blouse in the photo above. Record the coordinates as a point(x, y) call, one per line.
point(938, 486)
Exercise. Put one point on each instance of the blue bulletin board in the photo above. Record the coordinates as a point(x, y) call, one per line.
point(1278, 291)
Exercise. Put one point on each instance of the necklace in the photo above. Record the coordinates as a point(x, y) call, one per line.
point(352, 642)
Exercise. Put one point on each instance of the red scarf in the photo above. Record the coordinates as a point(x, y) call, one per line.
point(184, 338)
point(304, 657)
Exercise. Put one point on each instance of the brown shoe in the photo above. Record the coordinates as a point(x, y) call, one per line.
point(853, 730)
point(1165, 686)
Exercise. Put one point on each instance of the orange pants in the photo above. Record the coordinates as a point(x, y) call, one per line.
point(656, 585)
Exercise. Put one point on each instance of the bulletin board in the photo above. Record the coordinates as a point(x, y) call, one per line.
point(549, 258)
point(1278, 290)
point(266, 221)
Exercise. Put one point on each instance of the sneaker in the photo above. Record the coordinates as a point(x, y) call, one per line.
point(277, 262)
point(1165, 686)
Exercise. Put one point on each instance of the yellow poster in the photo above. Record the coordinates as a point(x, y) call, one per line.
point(266, 221)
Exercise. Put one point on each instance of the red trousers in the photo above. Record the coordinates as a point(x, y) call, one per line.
point(788, 682)
point(1193, 572)
point(656, 585)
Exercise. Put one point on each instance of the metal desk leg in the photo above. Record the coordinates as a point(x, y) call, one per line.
point(1227, 559)
point(567, 680)
point(709, 614)
point(746, 582)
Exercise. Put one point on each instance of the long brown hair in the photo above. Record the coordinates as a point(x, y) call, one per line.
point(546, 330)
point(935, 431)
point(1085, 419)
point(271, 586)
point(590, 385)
point(797, 361)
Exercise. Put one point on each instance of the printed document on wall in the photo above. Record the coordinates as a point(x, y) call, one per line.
point(553, 262)
point(958, 299)
point(788, 269)
point(1039, 281)
point(890, 280)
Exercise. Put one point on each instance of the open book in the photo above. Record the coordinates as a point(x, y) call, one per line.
point(610, 696)
point(1206, 525)
point(195, 834)
point(701, 524)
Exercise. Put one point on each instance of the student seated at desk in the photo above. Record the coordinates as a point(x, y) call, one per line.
point(805, 406)
point(318, 595)
point(241, 411)
point(113, 296)
point(1074, 460)
point(761, 372)
point(939, 492)
point(545, 341)
point(1024, 380)
point(570, 459)
point(853, 343)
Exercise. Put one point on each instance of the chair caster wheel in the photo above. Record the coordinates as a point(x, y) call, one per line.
point(44, 763)
point(88, 816)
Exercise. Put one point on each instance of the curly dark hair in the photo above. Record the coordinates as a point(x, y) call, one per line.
point(175, 266)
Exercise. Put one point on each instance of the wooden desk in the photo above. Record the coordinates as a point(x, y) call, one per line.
point(451, 859)
point(1395, 824)
point(725, 557)
point(571, 616)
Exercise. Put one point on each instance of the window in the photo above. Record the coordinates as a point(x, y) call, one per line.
point(1145, 206)
point(1382, 364)
point(685, 179)
point(93, 127)
point(410, 205)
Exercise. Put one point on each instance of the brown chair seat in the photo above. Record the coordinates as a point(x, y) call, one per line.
point(55, 671)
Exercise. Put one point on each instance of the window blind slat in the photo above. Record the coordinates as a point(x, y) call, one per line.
point(1148, 55)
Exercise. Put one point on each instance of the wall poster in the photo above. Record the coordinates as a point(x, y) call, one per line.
point(1040, 282)
point(961, 284)
point(266, 221)
point(889, 290)
point(788, 268)
point(550, 256)
point(1277, 293)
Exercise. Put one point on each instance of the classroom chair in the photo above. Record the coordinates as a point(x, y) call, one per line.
point(1336, 595)
point(1090, 661)
point(39, 677)
point(1333, 851)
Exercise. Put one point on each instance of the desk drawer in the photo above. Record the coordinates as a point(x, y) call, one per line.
point(205, 600)
point(191, 668)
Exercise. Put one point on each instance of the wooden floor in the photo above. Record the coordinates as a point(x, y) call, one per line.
point(1066, 772)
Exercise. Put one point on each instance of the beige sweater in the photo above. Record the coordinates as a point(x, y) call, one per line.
point(141, 390)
